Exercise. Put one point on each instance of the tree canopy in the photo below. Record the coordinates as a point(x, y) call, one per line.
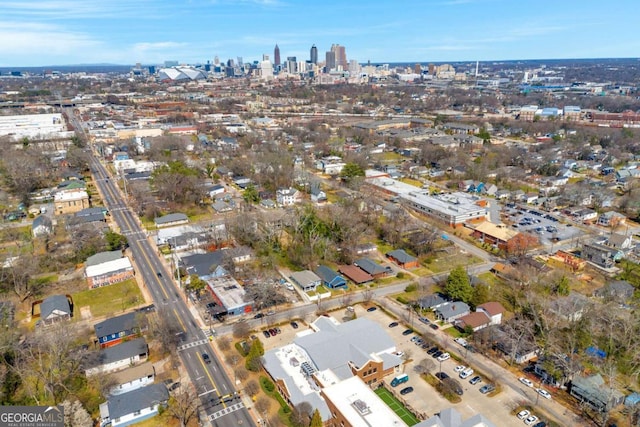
point(458, 287)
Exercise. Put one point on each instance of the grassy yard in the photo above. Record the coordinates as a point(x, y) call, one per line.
point(445, 262)
point(108, 299)
point(396, 406)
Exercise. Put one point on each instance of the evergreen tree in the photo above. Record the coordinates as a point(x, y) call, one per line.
point(458, 287)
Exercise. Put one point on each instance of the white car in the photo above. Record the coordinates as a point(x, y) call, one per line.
point(526, 381)
point(459, 368)
point(531, 420)
point(443, 357)
point(523, 414)
point(543, 393)
point(466, 373)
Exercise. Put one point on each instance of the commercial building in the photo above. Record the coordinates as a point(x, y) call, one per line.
point(34, 126)
point(71, 201)
point(454, 209)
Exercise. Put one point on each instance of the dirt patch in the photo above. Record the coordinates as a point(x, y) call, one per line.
point(85, 313)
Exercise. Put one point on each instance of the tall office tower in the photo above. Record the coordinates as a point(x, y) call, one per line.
point(314, 54)
point(292, 65)
point(240, 62)
point(330, 60)
point(265, 57)
point(417, 69)
point(276, 56)
point(216, 60)
point(432, 69)
point(341, 56)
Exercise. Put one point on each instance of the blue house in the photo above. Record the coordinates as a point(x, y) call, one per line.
point(331, 278)
point(112, 331)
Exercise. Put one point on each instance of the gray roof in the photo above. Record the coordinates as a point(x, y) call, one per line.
point(305, 277)
point(116, 324)
point(173, 217)
point(99, 210)
point(53, 304)
point(122, 351)
point(203, 264)
point(102, 257)
point(451, 309)
point(327, 274)
point(433, 300)
point(401, 256)
point(370, 266)
point(136, 400)
point(352, 341)
point(450, 417)
point(41, 220)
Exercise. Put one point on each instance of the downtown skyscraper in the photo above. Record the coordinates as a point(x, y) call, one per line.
point(313, 55)
point(276, 56)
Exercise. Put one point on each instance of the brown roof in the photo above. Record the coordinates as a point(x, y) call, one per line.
point(475, 319)
point(492, 307)
point(355, 274)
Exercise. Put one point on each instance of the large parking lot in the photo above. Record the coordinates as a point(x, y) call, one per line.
point(545, 226)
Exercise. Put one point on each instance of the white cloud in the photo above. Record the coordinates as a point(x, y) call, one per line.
point(41, 39)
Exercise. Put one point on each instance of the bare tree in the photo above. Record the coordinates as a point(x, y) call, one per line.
point(241, 330)
point(425, 366)
point(252, 387)
point(183, 405)
point(75, 415)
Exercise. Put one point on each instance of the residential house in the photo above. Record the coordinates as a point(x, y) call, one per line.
point(317, 195)
point(118, 357)
point(600, 255)
point(54, 309)
point(330, 278)
point(520, 349)
point(133, 378)
point(371, 267)
point(307, 280)
point(171, 220)
point(570, 308)
point(585, 215)
point(494, 310)
point(474, 321)
point(618, 289)
point(432, 302)
point(611, 219)
point(594, 392)
point(620, 241)
point(355, 274)
point(115, 330)
point(288, 196)
point(41, 226)
point(403, 259)
point(134, 406)
point(451, 311)
point(208, 264)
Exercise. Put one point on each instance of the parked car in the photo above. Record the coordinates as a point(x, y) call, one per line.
point(294, 325)
point(443, 357)
point(266, 334)
point(466, 373)
point(370, 309)
point(393, 324)
point(526, 381)
point(407, 332)
point(441, 375)
point(425, 320)
point(432, 350)
point(406, 390)
point(487, 388)
point(433, 326)
point(544, 393)
point(530, 420)
point(437, 354)
point(523, 414)
point(475, 380)
point(258, 316)
point(459, 368)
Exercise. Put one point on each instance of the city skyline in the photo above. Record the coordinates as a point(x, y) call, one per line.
point(63, 32)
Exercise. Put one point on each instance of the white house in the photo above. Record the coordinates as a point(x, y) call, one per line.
point(492, 309)
point(119, 357)
point(133, 378)
point(134, 406)
point(288, 196)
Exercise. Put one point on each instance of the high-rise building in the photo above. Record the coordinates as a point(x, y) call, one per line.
point(330, 60)
point(341, 56)
point(276, 56)
point(314, 54)
point(292, 65)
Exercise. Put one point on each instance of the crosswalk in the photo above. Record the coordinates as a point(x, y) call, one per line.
point(225, 411)
point(192, 344)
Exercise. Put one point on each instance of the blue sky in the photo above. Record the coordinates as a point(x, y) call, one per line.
point(60, 32)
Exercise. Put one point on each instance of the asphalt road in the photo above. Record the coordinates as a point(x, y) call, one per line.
point(219, 400)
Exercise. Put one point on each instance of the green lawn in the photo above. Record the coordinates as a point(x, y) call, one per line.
point(445, 262)
point(108, 299)
point(396, 406)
